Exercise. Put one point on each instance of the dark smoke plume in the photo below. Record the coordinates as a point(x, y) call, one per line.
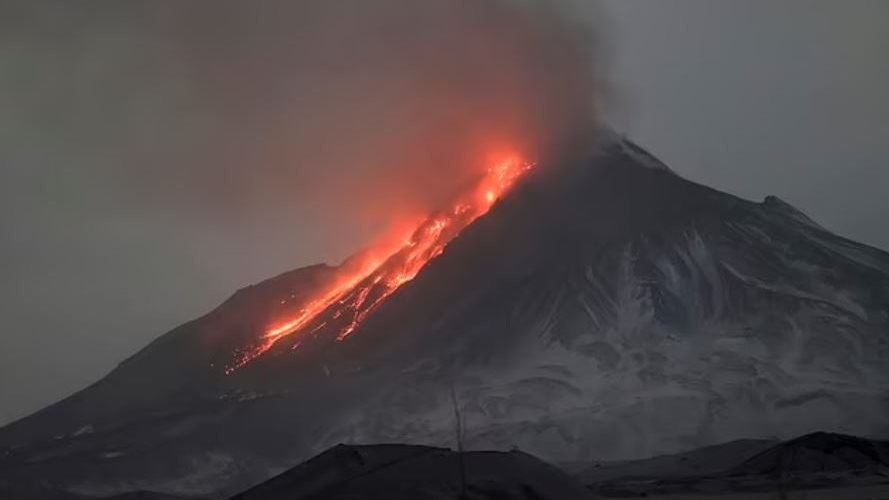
point(354, 111)
point(367, 109)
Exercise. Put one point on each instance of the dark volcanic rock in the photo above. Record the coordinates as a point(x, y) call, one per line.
point(818, 460)
point(400, 472)
point(820, 452)
point(700, 462)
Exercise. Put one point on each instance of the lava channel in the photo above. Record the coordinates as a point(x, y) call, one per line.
point(363, 287)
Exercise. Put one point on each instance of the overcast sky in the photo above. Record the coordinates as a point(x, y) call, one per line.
point(754, 97)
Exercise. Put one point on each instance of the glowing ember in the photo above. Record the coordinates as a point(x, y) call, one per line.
point(364, 286)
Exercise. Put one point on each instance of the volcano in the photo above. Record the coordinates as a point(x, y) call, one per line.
point(597, 309)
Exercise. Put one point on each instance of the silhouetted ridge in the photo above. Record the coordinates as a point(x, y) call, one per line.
point(398, 472)
point(819, 452)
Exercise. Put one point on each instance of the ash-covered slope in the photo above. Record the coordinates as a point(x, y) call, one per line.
point(604, 310)
point(617, 310)
point(807, 459)
point(821, 452)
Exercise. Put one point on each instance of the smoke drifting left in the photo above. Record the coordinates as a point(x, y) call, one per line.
point(358, 112)
point(365, 111)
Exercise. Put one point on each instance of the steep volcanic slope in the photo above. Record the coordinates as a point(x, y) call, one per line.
point(608, 309)
point(618, 310)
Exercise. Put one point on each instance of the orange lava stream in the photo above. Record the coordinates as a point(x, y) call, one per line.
point(360, 290)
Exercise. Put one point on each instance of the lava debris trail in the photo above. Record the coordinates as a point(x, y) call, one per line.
point(362, 289)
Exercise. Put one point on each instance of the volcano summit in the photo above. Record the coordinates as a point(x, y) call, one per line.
point(602, 309)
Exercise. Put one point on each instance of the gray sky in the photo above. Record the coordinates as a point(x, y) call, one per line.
point(756, 97)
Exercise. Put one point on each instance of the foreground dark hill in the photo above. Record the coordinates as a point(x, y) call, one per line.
point(835, 462)
point(400, 472)
point(821, 460)
point(820, 452)
point(607, 309)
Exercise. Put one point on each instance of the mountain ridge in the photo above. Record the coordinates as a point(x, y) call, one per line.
point(606, 308)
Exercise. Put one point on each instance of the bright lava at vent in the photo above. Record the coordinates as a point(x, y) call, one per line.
point(360, 291)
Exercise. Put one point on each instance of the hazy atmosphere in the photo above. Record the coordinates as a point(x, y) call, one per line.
point(153, 160)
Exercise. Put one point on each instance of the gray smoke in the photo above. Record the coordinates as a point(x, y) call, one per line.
point(297, 104)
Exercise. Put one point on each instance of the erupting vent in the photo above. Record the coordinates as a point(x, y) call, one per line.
point(360, 289)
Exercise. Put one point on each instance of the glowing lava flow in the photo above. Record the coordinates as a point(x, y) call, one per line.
point(364, 286)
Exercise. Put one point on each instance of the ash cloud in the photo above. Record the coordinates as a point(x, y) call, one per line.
point(350, 108)
point(365, 109)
